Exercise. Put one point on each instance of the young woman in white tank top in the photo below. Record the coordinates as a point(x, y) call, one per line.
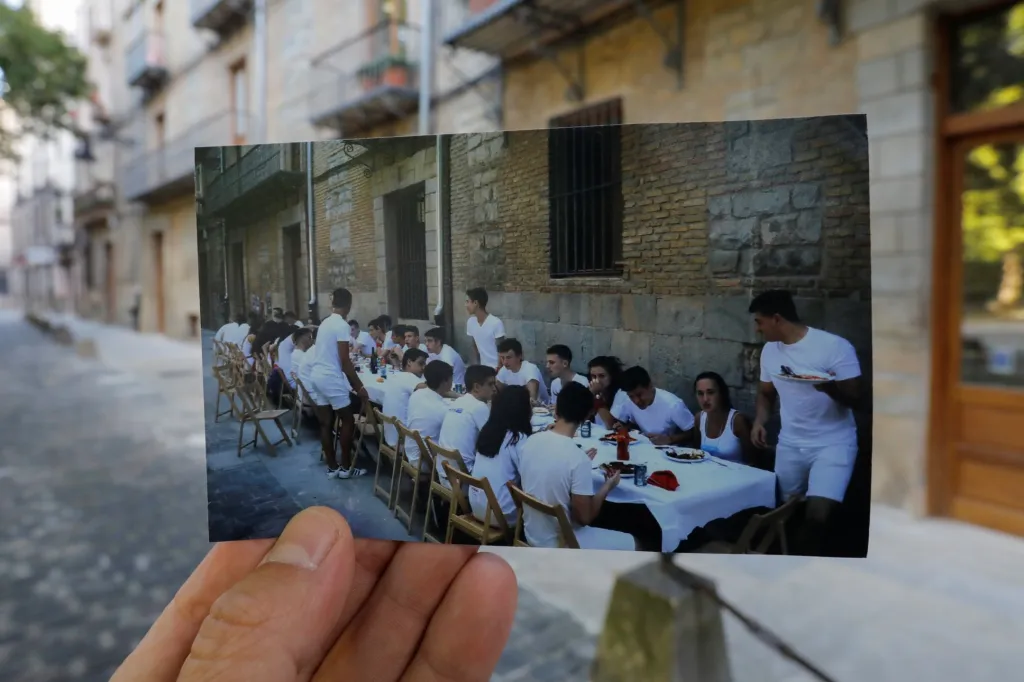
point(733, 441)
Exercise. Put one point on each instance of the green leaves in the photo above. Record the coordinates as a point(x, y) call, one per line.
point(43, 78)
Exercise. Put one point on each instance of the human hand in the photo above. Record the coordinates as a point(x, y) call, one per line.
point(363, 393)
point(826, 387)
point(595, 386)
point(658, 439)
point(758, 435)
point(321, 606)
point(612, 479)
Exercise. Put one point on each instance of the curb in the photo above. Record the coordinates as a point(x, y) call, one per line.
point(84, 348)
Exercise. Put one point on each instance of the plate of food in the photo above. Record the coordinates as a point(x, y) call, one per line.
point(685, 454)
point(610, 438)
point(804, 376)
point(624, 469)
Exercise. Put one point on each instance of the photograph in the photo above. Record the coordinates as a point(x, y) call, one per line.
point(646, 337)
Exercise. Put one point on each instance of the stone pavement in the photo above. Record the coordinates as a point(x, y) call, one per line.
point(102, 501)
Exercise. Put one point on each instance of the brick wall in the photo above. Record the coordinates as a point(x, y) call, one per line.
point(712, 214)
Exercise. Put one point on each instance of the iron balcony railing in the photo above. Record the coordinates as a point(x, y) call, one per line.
point(370, 76)
point(171, 166)
point(218, 14)
point(144, 60)
point(257, 170)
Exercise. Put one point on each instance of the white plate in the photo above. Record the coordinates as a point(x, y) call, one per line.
point(685, 461)
point(802, 380)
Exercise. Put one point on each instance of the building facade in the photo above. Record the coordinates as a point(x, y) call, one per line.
point(942, 438)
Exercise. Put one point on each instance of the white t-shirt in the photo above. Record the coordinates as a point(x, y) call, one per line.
point(809, 417)
point(449, 355)
point(364, 343)
point(226, 332)
point(295, 361)
point(237, 334)
point(556, 384)
point(388, 343)
point(332, 331)
point(503, 467)
point(486, 337)
point(466, 416)
point(299, 324)
point(284, 353)
point(426, 413)
point(422, 347)
point(668, 413)
point(397, 391)
point(620, 397)
point(302, 366)
point(552, 469)
point(527, 372)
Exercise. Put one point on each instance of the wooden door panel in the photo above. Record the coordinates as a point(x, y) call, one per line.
point(991, 482)
point(988, 514)
point(984, 425)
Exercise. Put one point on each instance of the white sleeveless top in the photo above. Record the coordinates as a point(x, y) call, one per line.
point(727, 445)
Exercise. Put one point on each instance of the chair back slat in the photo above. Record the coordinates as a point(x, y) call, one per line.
point(567, 536)
point(462, 482)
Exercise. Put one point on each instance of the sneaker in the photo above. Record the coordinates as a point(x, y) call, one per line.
point(335, 473)
point(350, 473)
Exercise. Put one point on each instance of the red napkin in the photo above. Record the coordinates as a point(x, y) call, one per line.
point(663, 479)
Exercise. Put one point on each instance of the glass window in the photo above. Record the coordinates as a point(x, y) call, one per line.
point(987, 61)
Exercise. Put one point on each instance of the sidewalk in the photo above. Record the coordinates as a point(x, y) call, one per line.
point(936, 599)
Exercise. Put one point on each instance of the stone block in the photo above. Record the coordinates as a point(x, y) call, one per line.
point(731, 233)
point(896, 114)
point(720, 206)
point(566, 334)
point(761, 202)
point(726, 318)
point(806, 195)
point(812, 311)
point(602, 341)
point(540, 307)
point(606, 311)
point(852, 320)
point(513, 305)
point(672, 358)
point(639, 313)
point(900, 194)
point(913, 68)
point(902, 155)
point(659, 630)
point(678, 316)
point(787, 261)
point(574, 309)
point(531, 335)
point(877, 78)
point(865, 14)
point(724, 357)
point(792, 229)
point(721, 262)
point(633, 348)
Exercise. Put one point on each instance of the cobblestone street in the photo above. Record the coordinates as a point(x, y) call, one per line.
point(103, 499)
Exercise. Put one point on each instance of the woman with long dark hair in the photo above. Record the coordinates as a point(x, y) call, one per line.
point(724, 432)
point(604, 371)
point(498, 448)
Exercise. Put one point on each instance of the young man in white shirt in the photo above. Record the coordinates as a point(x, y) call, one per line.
point(468, 414)
point(817, 446)
point(411, 338)
point(555, 470)
point(394, 348)
point(437, 349)
point(399, 388)
point(361, 341)
point(428, 408)
point(293, 319)
point(515, 371)
point(376, 328)
point(302, 341)
point(486, 330)
point(560, 368)
point(661, 416)
point(334, 378)
point(229, 332)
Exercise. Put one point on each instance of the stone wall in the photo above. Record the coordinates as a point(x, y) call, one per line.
point(712, 214)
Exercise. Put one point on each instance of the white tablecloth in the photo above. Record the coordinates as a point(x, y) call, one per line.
point(708, 490)
point(375, 388)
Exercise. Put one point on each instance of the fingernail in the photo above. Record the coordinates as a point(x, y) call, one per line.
point(305, 542)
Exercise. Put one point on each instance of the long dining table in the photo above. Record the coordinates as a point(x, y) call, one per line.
point(709, 489)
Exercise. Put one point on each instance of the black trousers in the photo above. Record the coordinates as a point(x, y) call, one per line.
point(635, 519)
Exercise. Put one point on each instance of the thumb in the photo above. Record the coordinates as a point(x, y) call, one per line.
point(277, 623)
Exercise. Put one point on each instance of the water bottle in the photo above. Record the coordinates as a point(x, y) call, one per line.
point(585, 429)
point(384, 370)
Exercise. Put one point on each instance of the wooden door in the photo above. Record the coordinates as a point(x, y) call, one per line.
point(294, 267)
point(159, 293)
point(110, 290)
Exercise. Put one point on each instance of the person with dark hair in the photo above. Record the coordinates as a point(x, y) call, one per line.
point(817, 446)
point(556, 471)
point(605, 372)
point(292, 319)
point(439, 350)
point(411, 338)
point(285, 349)
point(499, 449)
point(249, 332)
point(428, 408)
point(560, 368)
point(333, 378)
point(230, 331)
point(361, 341)
point(661, 416)
point(399, 389)
point(468, 413)
point(376, 328)
point(394, 350)
point(302, 341)
point(273, 331)
point(717, 416)
point(486, 330)
point(515, 371)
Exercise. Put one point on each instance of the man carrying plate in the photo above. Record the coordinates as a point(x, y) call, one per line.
point(816, 378)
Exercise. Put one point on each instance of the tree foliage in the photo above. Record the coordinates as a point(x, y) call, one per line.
point(43, 78)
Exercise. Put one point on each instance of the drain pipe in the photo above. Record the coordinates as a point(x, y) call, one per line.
point(426, 70)
point(445, 280)
point(313, 313)
point(224, 266)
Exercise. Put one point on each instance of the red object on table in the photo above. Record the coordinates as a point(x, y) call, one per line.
point(622, 445)
point(663, 479)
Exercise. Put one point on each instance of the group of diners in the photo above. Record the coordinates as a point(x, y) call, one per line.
point(489, 421)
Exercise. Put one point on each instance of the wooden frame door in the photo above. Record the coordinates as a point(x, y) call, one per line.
point(159, 292)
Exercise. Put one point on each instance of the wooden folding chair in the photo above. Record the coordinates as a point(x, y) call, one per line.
point(289, 399)
point(255, 413)
point(389, 453)
point(760, 533)
point(567, 536)
point(414, 471)
point(438, 489)
point(366, 427)
point(494, 528)
point(227, 387)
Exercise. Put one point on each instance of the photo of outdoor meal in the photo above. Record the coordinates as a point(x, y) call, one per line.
point(630, 337)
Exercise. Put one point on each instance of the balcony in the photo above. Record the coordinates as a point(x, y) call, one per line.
point(367, 80)
point(145, 62)
point(168, 171)
point(94, 191)
point(101, 21)
point(220, 16)
point(265, 174)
